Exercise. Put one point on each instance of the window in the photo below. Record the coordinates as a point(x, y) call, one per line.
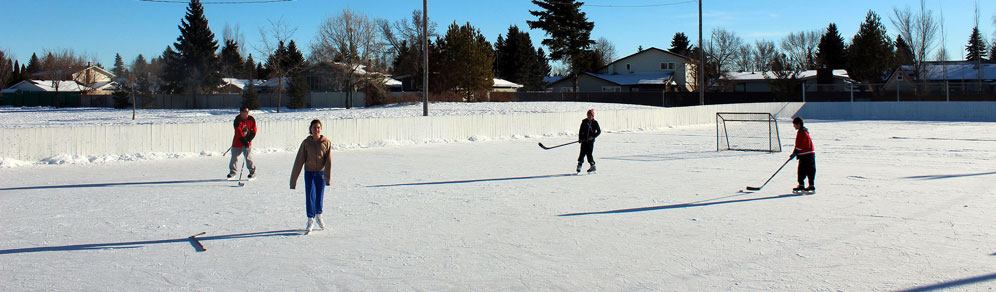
point(627, 67)
point(567, 89)
point(611, 89)
point(667, 66)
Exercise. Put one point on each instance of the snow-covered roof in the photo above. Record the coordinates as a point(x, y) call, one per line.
point(958, 71)
point(272, 82)
point(391, 82)
point(644, 78)
point(46, 85)
point(502, 83)
point(240, 83)
point(747, 76)
point(106, 86)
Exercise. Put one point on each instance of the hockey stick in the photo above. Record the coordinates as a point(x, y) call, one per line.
point(548, 148)
point(240, 170)
point(226, 151)
point(772, 176)
point(197, 243)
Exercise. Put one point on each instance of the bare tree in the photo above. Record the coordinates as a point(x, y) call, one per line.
point(764, 53)
point(722, 47)
point(58, 67)
point(743, 57)
point(605, 50)
point(407, 31)
point(801, 48)
point(351, 39)
point(235, 34)
point(920, 30)
point(272, 37)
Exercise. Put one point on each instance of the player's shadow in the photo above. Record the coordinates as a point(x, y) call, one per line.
point(103, 185)
point(690, 155)
point(701, 203)
point(953, 283)
point(472, 180)
point(945, 176)
point(139, 244)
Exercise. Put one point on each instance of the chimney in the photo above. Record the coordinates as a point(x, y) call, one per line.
point(88, 64)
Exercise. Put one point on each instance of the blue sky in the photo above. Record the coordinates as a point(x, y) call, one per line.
point(101, 28)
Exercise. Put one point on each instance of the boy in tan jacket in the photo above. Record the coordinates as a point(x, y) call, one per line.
point(315, 156)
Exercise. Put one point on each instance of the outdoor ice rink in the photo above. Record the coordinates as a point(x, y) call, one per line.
point(900, 206)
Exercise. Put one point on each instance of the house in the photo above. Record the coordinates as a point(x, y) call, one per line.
point(502, 85)
point(954, 73)
point(235, 85)
point(651, 69)
point(761, 82)
point(410, 84)
point(90, 79)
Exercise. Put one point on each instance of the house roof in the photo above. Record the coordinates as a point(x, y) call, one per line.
point(552, 79)
point(645, 78)
point(808, 74)
point(643, 52)
point(391, 82)
point(239, 83)
point(46, 85)
point(502, 83)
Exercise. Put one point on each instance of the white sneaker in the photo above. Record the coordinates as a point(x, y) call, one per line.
point(307, 230)
point(321, 223)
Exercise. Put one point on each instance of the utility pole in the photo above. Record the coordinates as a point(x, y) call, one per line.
point(701, 70)
point(425, 58)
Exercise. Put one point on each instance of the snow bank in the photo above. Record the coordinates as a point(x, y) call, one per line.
point(96, 138)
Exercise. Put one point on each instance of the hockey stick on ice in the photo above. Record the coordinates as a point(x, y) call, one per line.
point(548, 148)
point(226, 151)
point(240, 170)
point(772, 176)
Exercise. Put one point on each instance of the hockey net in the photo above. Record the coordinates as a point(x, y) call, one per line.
point(747, 132)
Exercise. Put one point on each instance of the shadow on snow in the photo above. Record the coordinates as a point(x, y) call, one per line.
point(139, 244)
point(944, 176)
point(101, 185)
point(953, 283)
point(702, 203)
point(472, 180)
point(684, 155)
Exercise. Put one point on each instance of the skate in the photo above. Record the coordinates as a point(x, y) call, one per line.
point(252, 176)
point(321, 223)
point(230, 176)
point(591, 170)
point(579, 169)
point(311, 223)
point(799, 189)
point(810, 190)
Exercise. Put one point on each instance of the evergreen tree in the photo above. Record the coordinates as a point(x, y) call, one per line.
point(568, 29)
point(293, 60)
point(119, 69)
point(680, 44)
point(408, 62)
point(18, 71)
point(196, 46)
point(831, 49)
point(904, 54)
point(249, 69)
point(976, 48)
point(786, 83)
point(992, 53)
point(298, 91)
point(173, 71)
point(261, 72)
point(468, 59)
point(870, 54)
point(140, 66)
point(34, 66)
point(516, 60)
point(250, 98)
point(231, 61)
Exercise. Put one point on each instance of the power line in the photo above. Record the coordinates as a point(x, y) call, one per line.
point(638, 6)
point(218, 2)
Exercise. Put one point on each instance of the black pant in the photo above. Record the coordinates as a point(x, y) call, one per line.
point(807, 168)
point(586, 148)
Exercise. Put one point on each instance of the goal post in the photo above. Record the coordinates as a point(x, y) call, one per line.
point(743, 131)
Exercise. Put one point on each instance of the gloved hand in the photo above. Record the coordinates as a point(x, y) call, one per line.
point(245, 142)
point(792, 156)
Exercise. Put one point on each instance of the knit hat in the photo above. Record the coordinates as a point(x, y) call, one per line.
point(591, 112)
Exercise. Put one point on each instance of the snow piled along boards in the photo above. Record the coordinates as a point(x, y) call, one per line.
point(31, 117)
point(900, 205)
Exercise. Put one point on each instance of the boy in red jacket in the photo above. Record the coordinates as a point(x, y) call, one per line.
point(245, 131)
point(806, 154)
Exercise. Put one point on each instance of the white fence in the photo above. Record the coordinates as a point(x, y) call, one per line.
point(34, 144)
point(230, 100)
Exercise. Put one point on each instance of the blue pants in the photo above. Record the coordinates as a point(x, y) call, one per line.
point(314, 190)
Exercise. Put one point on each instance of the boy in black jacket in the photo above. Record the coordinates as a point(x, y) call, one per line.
point(586, 135)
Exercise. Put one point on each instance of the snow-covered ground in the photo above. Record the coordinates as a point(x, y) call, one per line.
point(900, 205)
point(28, 117)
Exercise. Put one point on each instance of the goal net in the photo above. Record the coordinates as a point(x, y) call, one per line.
point(747, 132)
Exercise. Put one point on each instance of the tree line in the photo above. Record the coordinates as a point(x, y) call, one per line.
point(463, 61)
